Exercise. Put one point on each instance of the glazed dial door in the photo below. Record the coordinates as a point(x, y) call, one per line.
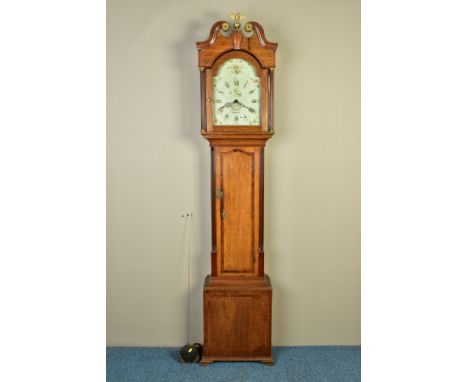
point(237, 94)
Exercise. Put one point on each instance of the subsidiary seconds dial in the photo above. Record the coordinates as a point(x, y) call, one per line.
point(236, 94)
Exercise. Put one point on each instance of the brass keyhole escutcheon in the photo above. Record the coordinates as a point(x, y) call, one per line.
point(219, 193)
point(223, 214)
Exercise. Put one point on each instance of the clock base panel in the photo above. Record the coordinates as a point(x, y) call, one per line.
point(237, 319)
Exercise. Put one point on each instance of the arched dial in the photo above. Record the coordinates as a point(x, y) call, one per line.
point(236, 94)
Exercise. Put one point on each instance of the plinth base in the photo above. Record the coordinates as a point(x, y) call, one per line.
point(237, 319)
point(208, 360)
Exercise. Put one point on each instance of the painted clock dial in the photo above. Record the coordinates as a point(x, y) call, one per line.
point(236, 94)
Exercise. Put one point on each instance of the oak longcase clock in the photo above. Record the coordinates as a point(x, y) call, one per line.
point(237, 84)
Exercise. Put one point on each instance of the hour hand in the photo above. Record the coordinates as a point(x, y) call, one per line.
point(227, 104)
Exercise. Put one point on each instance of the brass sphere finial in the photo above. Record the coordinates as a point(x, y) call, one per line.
point(248, 27)
point(237, 17)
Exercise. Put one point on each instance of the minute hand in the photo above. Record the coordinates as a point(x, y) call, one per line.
point(251, 109)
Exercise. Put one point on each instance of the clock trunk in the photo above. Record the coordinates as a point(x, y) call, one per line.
point(237, 204)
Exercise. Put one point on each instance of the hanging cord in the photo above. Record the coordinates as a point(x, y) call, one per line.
point(188, 232)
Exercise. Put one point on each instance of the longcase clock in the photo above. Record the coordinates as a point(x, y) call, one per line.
point(236, 77)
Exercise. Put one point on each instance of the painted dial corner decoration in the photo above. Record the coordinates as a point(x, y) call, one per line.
point(236, 94)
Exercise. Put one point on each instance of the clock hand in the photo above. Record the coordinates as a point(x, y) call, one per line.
point(227, 104)
point(251, 109)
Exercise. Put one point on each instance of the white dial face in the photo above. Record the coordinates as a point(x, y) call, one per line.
point(236, 94)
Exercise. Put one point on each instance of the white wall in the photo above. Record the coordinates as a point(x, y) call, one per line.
point(158, 169)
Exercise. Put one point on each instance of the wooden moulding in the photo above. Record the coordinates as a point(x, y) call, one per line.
point(237, 319)
point(207, 360)
point(238, 139)
point(228, 283)
point(216, 44)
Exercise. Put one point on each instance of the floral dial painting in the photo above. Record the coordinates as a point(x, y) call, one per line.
point(236, 94)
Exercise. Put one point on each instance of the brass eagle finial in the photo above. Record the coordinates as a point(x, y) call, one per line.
point(237, 17)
